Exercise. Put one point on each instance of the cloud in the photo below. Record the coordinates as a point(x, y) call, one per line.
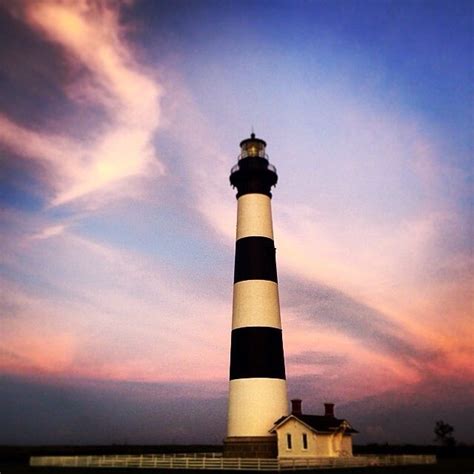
point(318, 358)
point(372, 263)
point(120, 145)
point(408, 414)
point(371, 252)
point(67, 411)
point(74, 306)
point(331, 309)
point(357, 281)
point(51, 411)
point(50, 231)
point(402, 412)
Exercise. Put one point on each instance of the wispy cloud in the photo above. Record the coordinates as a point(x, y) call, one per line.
point(100, 311)
point(121, 145)
point(364, 236)
point(50, 231)
point(331, 310)
point(317, 358)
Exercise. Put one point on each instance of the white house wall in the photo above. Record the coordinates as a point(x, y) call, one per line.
point(319, 445)
point(346, 447)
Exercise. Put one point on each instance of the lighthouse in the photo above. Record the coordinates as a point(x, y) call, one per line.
point(257, 387)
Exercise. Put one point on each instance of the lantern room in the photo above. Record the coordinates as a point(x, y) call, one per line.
point(252, 147)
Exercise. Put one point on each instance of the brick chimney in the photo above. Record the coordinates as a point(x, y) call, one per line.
point(329, 409)
point(296, 407)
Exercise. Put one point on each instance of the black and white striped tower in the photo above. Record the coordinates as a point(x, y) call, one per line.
point(257, 392)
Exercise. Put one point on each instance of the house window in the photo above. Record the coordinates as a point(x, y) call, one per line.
point(288, 441)
point(305, 441)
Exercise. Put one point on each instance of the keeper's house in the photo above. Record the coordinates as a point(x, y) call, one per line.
point(305, 436)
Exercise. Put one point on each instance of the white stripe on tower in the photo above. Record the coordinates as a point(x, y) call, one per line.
point(254, 216)
point(256, 303)
point(257, 393)
point(254, 406)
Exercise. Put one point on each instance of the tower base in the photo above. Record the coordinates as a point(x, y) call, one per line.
point(250, 447)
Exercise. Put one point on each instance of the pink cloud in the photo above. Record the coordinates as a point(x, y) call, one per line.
point(377, 260)
point(49, 231)
point(380, 240)
point(120, 146)
point(106, 313)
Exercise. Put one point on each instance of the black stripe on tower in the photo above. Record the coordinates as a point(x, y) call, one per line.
point(257, 352)
point(255, 259)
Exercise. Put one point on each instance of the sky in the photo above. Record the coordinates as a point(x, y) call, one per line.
point(119, 123)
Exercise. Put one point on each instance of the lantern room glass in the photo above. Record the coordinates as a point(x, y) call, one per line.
point(253, 148)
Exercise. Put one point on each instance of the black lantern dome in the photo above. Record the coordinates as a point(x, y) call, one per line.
point(253, 173)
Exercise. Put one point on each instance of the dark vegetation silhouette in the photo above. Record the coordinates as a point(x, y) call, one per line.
point(444, 433)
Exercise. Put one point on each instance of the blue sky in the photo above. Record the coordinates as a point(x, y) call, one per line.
point(119, 123)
